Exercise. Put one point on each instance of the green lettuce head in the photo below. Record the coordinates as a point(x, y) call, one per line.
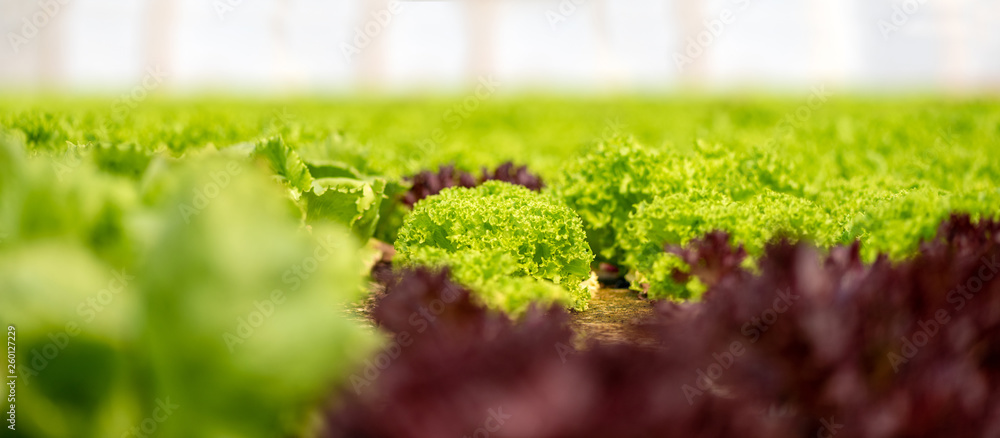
point(604, 186)
point(512, 245)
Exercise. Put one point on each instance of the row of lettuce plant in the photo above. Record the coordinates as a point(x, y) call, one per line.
point(634, 200)
point(883, 173)
point(814, 343)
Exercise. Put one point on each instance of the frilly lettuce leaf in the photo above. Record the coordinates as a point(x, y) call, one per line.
point(351, 202)
point(285, 163)
point(498, 232)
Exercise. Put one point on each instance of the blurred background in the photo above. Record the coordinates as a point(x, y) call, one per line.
point(309, 46)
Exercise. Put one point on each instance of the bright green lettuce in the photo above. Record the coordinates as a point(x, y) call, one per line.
point(854, 157)
point(604, 186)
point(337, 192)
point(352, 202)
point(124, 303)
point(677, 218)
point(513, 245)
point(392, 212)
point(285, 163)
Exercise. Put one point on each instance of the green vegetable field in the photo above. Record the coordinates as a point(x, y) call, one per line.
point(408, 267)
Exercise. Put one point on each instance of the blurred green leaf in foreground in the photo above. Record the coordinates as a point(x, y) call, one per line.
point(190, 302)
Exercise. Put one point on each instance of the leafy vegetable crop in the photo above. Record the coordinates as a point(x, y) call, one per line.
point(338, 194)
point(604, 186)
point(180, 295)
point(140, 253)
point(512, 245)
point(635, 200)
point(427, 183)
point(811, 345)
